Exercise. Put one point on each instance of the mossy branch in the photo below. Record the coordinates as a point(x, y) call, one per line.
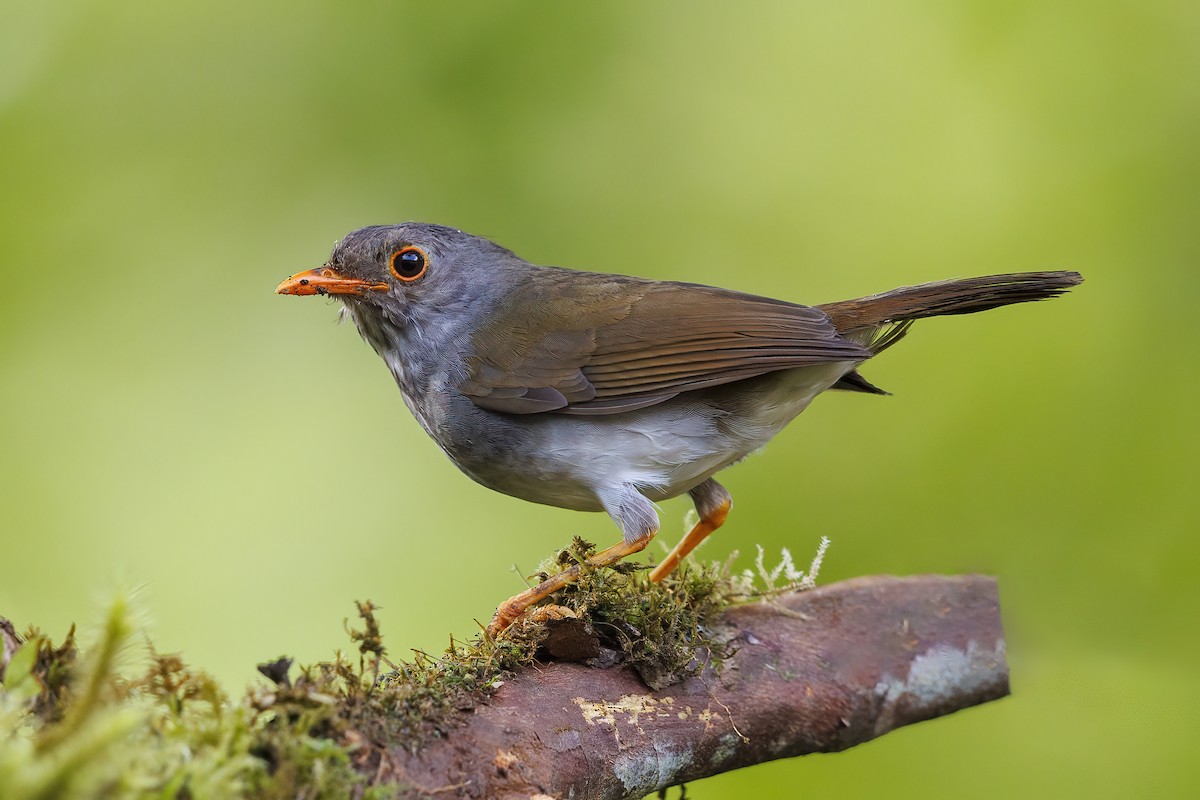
point(738, 684)
point(815, 671)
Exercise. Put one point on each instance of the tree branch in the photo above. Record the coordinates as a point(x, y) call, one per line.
point(818, 671)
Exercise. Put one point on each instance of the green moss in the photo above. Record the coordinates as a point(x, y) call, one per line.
point(661, 629)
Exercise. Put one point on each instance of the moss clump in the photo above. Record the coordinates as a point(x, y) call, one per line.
point(71, 725)
point(664, 630)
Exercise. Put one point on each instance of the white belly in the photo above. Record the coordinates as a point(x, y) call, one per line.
point(663, 450)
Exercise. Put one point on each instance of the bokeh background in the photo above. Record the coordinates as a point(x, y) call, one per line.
point(172, 426)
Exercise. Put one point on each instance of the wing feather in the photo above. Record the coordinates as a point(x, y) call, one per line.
point(586, 343)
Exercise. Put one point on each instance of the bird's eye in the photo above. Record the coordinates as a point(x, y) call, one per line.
point(409, 263)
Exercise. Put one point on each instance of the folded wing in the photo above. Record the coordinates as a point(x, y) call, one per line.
point(585, 343)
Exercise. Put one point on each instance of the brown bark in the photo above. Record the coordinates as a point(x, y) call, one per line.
point(817, 671)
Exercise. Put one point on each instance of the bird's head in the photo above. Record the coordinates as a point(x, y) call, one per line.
point(415, 292)
point(397, 268)
point(412, 281)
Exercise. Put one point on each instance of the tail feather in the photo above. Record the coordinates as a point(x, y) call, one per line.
point(853, 381)
point(881, 320)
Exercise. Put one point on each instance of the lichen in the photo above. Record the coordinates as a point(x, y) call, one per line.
point(640, 772)
point(942, 673)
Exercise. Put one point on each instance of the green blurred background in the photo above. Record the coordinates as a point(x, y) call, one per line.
point(171, 425)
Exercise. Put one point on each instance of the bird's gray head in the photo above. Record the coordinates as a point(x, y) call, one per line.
point(399, 268)
point(412, 289)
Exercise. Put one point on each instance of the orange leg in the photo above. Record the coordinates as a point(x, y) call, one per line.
point(713, 504)
point(515, 606)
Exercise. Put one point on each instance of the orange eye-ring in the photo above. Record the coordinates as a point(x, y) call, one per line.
point(409, 263)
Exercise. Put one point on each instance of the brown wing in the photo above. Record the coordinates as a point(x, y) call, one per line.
point(586, 343)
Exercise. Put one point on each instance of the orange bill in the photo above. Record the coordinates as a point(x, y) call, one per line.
point(326, 280)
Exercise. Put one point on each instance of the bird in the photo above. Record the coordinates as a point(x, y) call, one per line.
point(604, 392)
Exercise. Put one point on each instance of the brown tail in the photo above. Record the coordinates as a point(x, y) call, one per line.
point(964, 296)
point(881, 320)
